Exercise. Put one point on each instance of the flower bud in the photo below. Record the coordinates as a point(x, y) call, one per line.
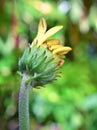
point(42, 59)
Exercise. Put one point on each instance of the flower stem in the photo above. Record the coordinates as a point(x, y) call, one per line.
point(24, 104)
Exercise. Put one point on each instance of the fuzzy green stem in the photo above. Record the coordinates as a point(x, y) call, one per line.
point(24, 105)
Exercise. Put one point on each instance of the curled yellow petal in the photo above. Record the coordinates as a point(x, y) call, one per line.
point(61, 62)
point(52, 42)
point(41, 27)
point(62, 50)
point(49, 33)
point(53, 47)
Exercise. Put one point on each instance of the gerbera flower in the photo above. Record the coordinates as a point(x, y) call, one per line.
point(42, 59)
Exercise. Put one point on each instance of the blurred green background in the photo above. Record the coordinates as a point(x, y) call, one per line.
point(70, 103)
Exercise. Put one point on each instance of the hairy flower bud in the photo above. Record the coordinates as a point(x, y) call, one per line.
point(42, 59)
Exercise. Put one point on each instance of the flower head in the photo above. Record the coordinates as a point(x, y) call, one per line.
point(53, 45)
point(43, 57)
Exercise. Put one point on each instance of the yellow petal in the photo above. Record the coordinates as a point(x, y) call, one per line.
point(41, 27)
point(52, 42)
point(50, 33)
point(62, 50)
point(61, 62)
point(53, 47)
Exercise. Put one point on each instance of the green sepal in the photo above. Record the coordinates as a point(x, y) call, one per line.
point(40, 64)
point(22, 61)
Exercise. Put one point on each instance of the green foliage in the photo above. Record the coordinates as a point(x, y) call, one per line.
point(66, 99)
point(70, 101)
